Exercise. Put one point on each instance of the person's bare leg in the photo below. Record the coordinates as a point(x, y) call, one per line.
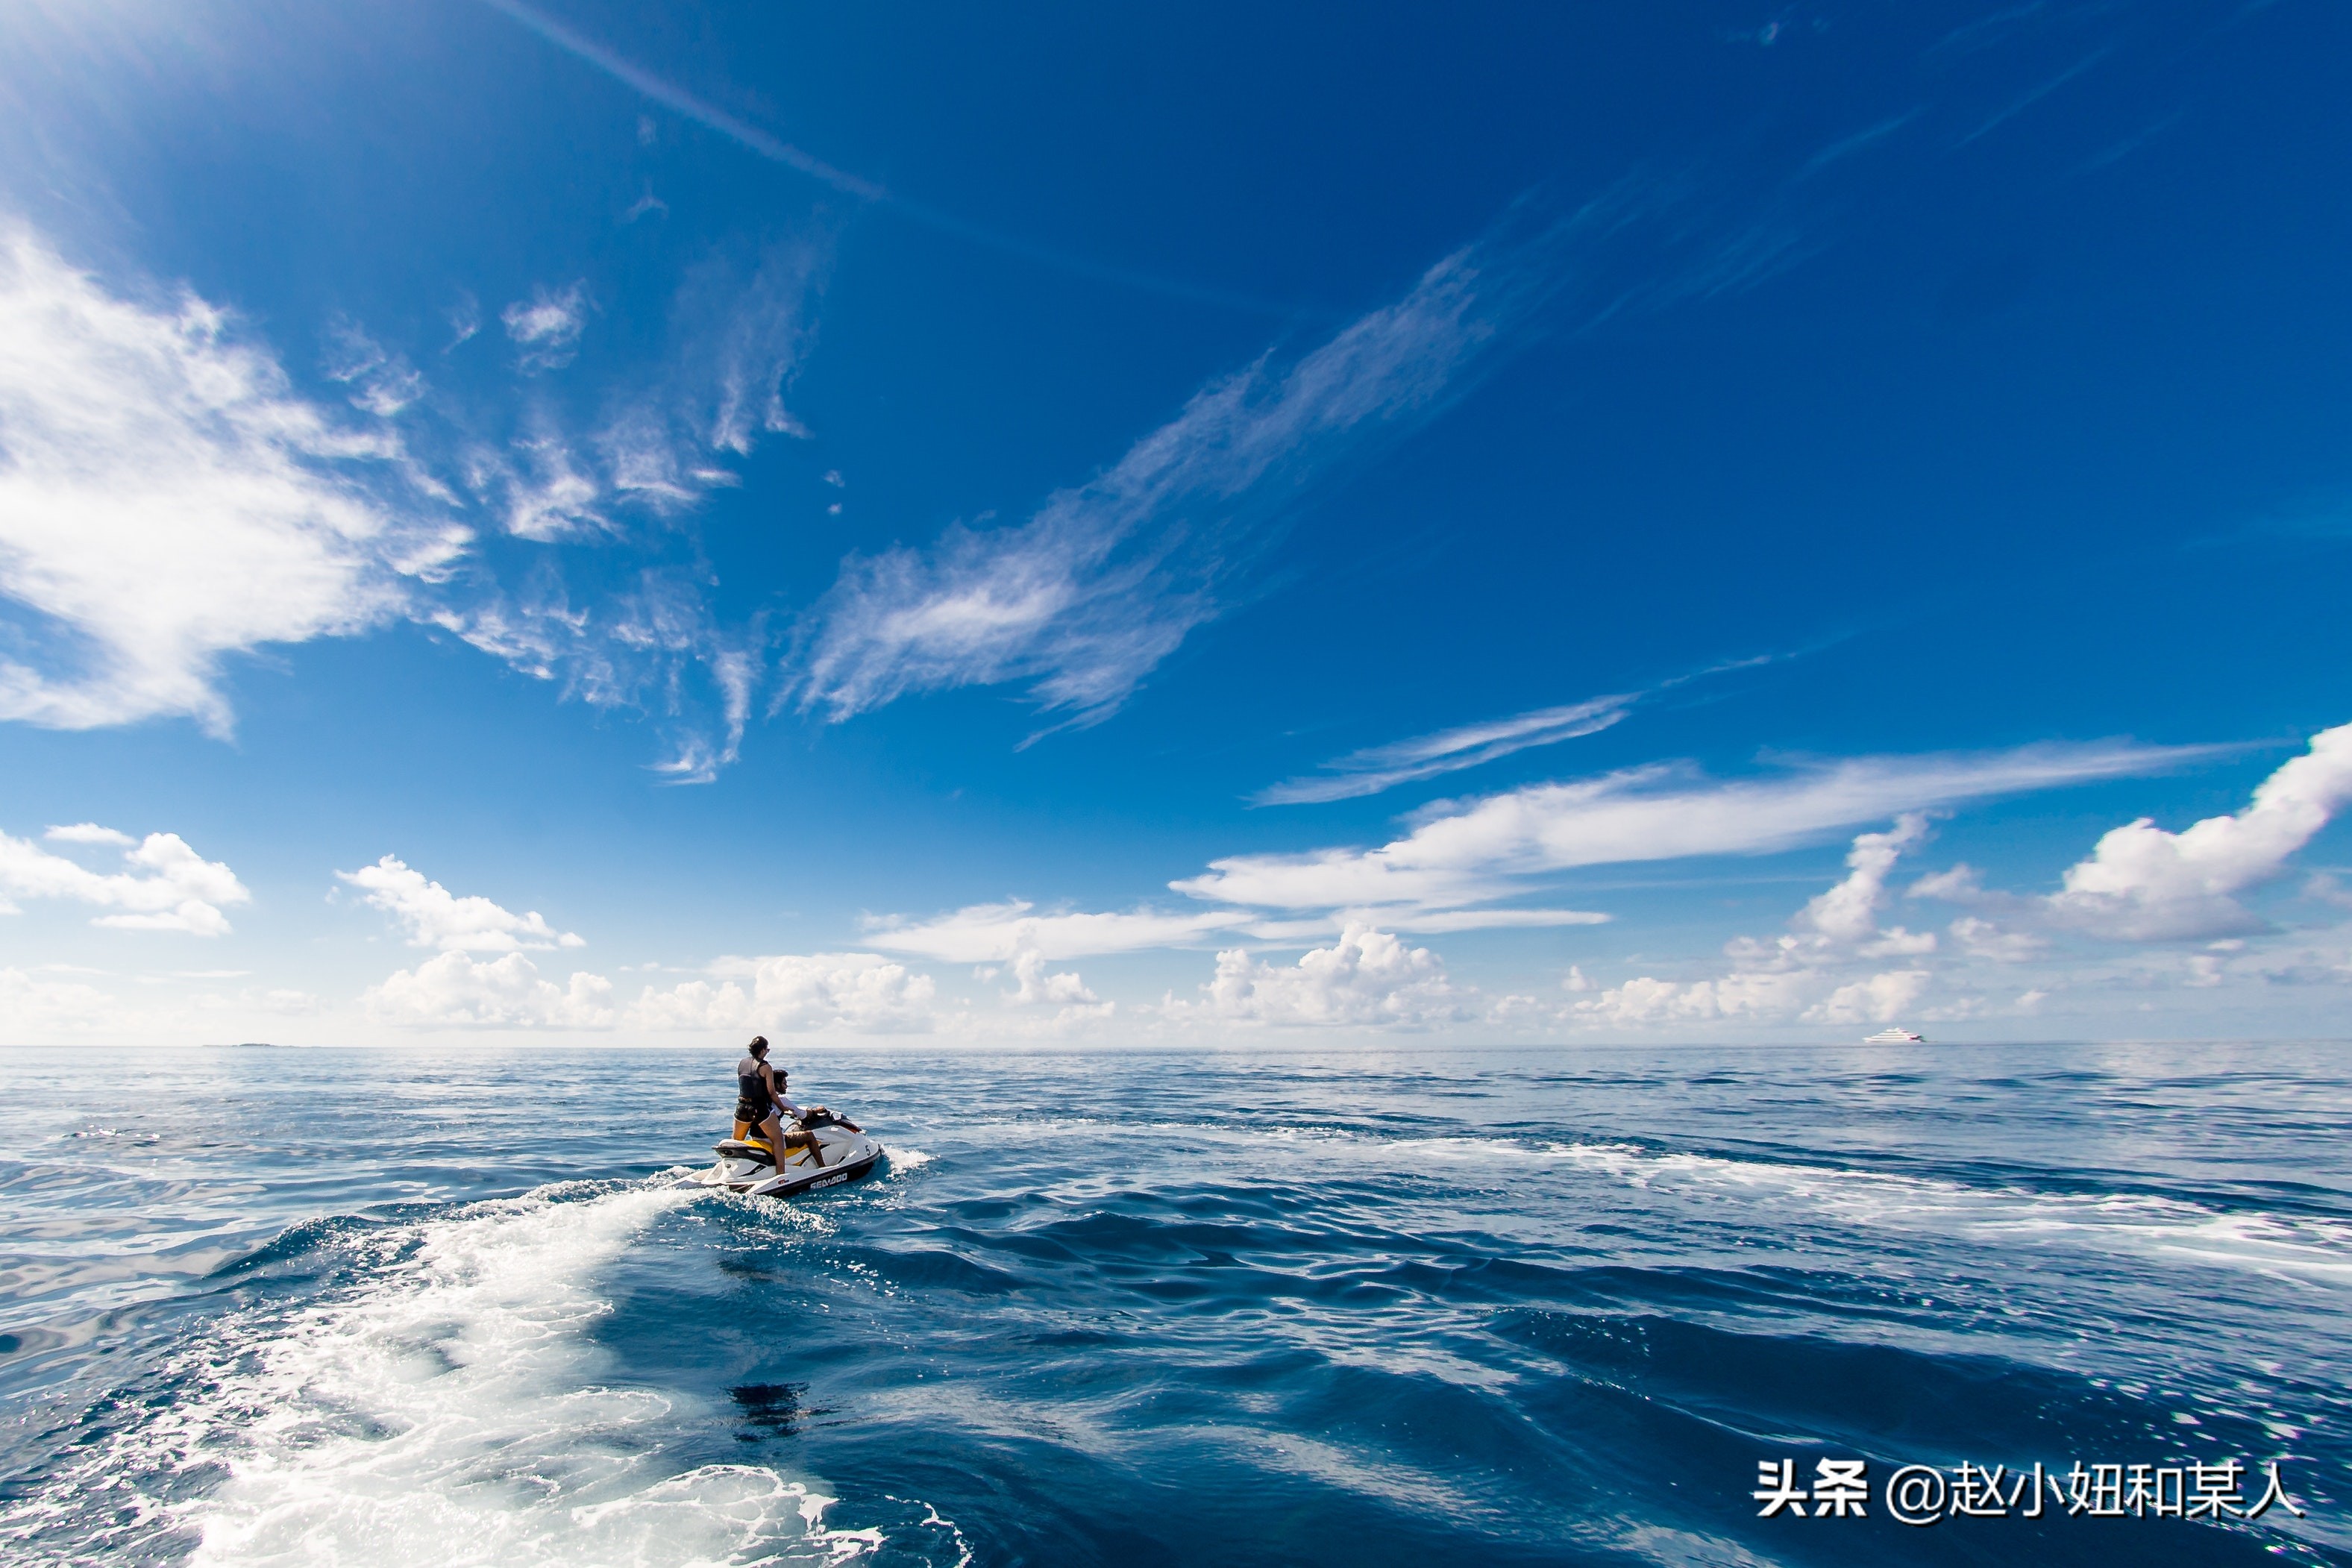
point(796, 1139)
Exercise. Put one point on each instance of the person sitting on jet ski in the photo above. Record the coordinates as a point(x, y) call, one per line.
point(811, 1115)
point(759, 1091)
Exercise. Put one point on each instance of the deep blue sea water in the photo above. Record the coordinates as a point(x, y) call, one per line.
point(1419, 1305)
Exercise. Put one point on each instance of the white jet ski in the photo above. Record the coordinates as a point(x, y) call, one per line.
point(749, 1165)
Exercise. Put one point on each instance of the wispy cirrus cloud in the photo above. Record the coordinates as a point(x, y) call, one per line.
point(1105, 581)
point(166, 501)
point(651, 645)
point(1378, 768)
point(671, 96)
point(1472, 853)
point(545, 329)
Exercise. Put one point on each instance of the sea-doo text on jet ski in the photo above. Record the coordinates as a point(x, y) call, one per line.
point(749, 1165)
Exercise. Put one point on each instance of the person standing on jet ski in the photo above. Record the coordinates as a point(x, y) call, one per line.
point(760, 1102)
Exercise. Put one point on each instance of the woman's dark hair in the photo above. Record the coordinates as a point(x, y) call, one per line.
point(758, 1047)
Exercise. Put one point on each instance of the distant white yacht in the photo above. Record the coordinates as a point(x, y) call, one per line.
point(1895, 1037)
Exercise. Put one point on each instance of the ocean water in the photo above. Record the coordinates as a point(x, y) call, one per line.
point(1413, 1306)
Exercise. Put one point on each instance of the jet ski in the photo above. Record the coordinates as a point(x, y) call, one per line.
point(749, 1165)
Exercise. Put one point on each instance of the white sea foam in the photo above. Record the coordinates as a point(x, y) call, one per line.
point(452, 1410)
point(2310, 1248)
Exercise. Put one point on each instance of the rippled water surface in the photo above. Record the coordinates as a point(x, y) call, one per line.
point(1422, 1307)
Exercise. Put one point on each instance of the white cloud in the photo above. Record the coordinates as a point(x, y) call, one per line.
point(639, 648)
point(1881, 999)
point(165, 500)
point(453, 991)
point(1760, 997)
point(167, 887)
point(436, 916)
point(89, 833)
point(1845, 918)
point(1366, 977)
point(541, 486)
point(861, 992)
point(465, 319)
point(2143, 884)
point(2325, 887)
point(743, 325)
point(1036, 988)
point(1464, 853)
point(1798, 974)
point(1442, 923)
point(1962, 884)
point(382, 383)
point(999, 933)
point(547, 326)
point(1980, 938)
point(1848, 912)
point(1104, 582)
point(1378, 768)
point(32, 1008)
point(739, 327)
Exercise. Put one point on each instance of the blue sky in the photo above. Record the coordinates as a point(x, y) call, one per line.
point(899, 522)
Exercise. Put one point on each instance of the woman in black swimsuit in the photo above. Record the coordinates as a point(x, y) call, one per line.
point(755, 1104)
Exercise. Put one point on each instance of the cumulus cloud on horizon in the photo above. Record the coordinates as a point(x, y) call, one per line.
point(1367, 977)
point(1808, 973)
point(854, 992)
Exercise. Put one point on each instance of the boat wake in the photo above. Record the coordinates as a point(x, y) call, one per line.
point(451, 1407)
